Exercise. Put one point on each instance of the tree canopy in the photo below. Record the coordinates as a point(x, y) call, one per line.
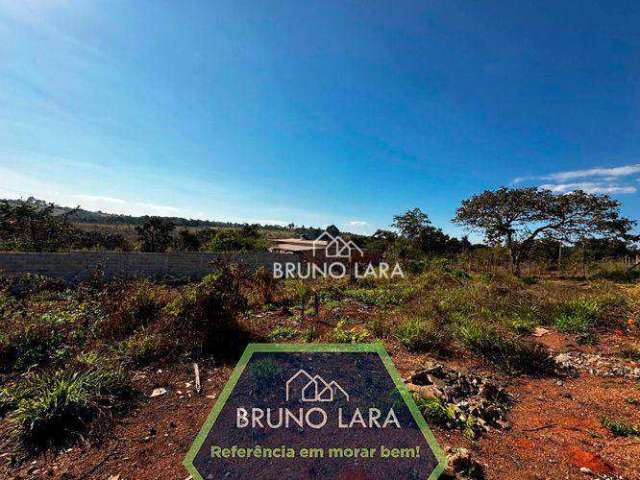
point(516, 217)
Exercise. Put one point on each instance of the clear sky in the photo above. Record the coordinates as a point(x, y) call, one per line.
point(316, 112)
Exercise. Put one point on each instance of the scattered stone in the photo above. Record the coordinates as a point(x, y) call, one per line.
point(539, 332)
point(158, 392)
point(586, 471)
point(457, 400)
point(570, 363)
point(460, 466)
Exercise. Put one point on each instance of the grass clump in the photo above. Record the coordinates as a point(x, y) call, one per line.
point(621, 428)
point(384, 295)
point(52, 408)
point(512, 354)
point(144, 347)
point(578, 316)
point(31, 341)
point(424, 335)
point(282, 332)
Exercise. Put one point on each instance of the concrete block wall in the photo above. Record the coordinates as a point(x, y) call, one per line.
point(75, 266)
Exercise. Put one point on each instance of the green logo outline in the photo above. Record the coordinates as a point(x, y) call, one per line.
point(315, 347)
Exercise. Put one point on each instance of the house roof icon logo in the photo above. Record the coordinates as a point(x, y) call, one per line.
point(305, 387)
point(335, 247)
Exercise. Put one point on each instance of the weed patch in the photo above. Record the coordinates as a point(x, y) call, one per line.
point(51, 408)
point(621, 428)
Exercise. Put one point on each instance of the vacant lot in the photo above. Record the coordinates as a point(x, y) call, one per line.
point(97, 379)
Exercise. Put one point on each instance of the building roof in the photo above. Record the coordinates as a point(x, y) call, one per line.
point(299, 241)
point(292, 248)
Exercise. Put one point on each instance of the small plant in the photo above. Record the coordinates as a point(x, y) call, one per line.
point(282, 332)
point(580, 317)
point(310, 334)
point(342, 334)
point(33, 341)
point(447, 415)
point(209, 312)
point(424, 335)
point(264, 370)
point(621, 428)
point(52, 408)
point(143, 347)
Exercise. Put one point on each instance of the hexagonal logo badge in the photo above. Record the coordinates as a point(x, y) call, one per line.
point(315, 411)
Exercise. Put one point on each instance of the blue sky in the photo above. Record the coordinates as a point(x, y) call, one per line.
point(316, 112)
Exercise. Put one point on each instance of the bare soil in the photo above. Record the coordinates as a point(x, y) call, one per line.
point(556, 423)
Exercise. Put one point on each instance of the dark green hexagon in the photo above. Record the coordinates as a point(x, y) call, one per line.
point(371, 385)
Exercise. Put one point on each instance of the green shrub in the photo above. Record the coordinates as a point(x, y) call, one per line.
point(424, 335)
point(578, 316)
point(31, 341)
point(209, 311)
point(389, 294)
point(446, 415)
point(512, 354)
point(51, 408)
point(342, 334)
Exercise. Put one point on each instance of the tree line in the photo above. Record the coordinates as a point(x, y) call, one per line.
point(529, 223)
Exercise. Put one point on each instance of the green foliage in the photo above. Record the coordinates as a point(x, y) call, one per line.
point(310, 334)
point(263, 371)
point(424, 335)
point(616, 272)
point(245, 239)
point(209, 311)
point(155, 235)
point(577, 316)
point(384, 295)
point(144, 347)
point(621, 428)
point(342, 334)
point(282, 332)
point(446, 415)
point(524, 323)
point(583, 315)
point(512, 354)
point(52, 407)
point(32, 341)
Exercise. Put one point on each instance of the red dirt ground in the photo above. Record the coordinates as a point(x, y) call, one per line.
point(556, 427)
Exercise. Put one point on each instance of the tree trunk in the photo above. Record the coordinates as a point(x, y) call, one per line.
point(560, 260)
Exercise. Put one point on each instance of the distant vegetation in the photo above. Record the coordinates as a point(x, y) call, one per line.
point(530, 230)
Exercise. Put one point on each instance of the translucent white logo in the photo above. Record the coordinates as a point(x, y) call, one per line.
point(309, 388)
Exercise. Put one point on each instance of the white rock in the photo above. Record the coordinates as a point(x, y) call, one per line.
point(158, 392)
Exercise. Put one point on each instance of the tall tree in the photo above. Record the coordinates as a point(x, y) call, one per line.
point(333, 231)
point(516, 217)
point(411, 223)
point(155, 234)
